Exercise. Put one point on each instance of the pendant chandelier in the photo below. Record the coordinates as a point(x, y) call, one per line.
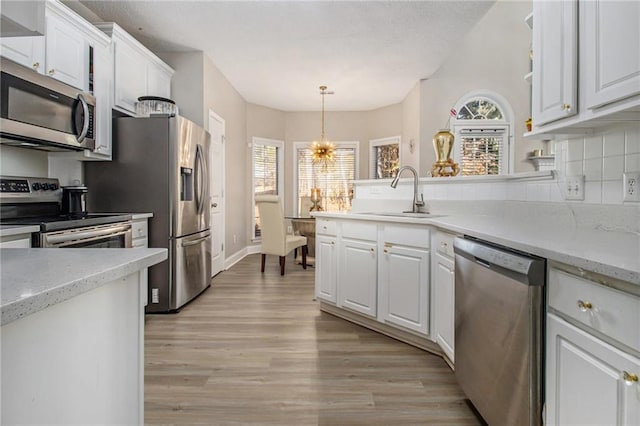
point(323, 151)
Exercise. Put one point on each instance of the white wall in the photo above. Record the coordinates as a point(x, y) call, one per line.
point(23, 162)
point(493, 56)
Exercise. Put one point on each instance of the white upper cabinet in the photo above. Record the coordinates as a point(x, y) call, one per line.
point(586, 65)
point(611, 33)
point(137, 70)
point(555, 61)
point(27, 51)
point(66, 52)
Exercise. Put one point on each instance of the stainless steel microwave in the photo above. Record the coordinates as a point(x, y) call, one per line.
point(37, 111)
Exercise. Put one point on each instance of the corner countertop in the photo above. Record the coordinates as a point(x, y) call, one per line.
point(9, 230)
point(135, 216)
point(607, 252)
point(62, 274)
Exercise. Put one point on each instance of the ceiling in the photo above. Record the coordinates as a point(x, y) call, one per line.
point(277, 53)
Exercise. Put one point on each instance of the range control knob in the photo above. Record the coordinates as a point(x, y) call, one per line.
point(53, 186)
point(36, 186)
point(45, 186)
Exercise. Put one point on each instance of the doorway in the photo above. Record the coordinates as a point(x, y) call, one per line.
point(216, 160)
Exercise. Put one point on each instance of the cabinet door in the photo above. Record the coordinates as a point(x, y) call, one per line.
point(27, 51)
point(130, 76)
point(585, 379)
point(66, 53)
point(357, 276)
point(555, 51)
point(21, 242)
point(158, 82)
point(609, 43)
point(444, 304)
point(404, 287)
point(103, 80)
point(326, 257)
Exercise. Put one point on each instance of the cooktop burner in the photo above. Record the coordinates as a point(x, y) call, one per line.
point(58, 223)
point(36, 201)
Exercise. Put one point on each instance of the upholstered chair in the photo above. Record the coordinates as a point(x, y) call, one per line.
point(275, 240)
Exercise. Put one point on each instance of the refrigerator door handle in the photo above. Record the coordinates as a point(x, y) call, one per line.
point(196, 241)
point(201, 179)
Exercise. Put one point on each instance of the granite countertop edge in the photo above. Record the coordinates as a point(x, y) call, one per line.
point(528, 240)
point(75, 281)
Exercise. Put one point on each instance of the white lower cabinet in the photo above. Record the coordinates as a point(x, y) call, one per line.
point(326, 268)
point(588, 382)
point(140, 238)
point(444, 292)
point(403, 276)
point(357, 276)
point(17, 241)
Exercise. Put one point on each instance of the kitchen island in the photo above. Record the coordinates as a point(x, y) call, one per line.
point(73, 335)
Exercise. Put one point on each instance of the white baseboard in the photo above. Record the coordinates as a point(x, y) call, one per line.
point(239, 255)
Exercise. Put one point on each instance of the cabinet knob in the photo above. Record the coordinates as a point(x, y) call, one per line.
point(333, 242)
point(584, 306)
point(51, 71)
point(372, 249)
point(386, 251)
point(629, 378)
point(214, 205)
point(443, 245)
point(566, 107)
point(36, 65)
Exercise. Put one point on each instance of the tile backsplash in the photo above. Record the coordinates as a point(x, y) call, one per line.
point(602, 158)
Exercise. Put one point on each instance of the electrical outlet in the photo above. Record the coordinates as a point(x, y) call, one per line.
point(631, 185)
point(289, 229)
point(574, 187)
point(155, 298)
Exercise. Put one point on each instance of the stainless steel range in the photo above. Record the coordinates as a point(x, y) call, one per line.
point(36, 201)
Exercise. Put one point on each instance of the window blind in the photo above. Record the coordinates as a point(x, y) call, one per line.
point(335, 183)
point(266, 175)
point(482, 151)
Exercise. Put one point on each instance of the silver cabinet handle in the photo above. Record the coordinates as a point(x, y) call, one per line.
point(629, 378)
point(51, 71)
point(214, 205)
point(36, 65)
point(584, 306)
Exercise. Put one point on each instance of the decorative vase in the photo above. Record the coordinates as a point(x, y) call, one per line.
point(443, 146)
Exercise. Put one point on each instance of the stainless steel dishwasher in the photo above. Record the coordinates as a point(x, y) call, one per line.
point(499, 305)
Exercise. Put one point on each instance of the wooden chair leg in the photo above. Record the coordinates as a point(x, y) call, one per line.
point(295, 253)
point(282, 259)
point(262, 267)
point(305, 250)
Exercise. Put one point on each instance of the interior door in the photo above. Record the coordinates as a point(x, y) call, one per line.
point(216, 161)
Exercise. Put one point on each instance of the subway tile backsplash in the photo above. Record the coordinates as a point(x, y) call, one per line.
point(602, 158)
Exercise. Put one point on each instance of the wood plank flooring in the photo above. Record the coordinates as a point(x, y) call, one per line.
point(255, 349)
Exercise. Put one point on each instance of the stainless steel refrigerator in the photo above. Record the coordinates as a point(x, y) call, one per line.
point(159, 166)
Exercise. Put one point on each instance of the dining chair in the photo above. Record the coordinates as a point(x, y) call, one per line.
point(275, 240)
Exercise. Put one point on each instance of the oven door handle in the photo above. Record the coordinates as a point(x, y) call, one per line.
point(65, 237)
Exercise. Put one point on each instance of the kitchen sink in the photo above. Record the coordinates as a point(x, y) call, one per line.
point(404, 214)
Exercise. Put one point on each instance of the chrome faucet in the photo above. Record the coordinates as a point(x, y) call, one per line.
point(417, 204)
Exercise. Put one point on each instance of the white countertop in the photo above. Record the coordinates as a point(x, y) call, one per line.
point(135, 216)
point(607, 252)
point(9, 230)
point(33, 279)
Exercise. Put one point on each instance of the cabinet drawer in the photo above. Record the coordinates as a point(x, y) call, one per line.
point(609, 311)
point(444, 244)
point(406, 235)
point(139, 229)
point(326, 227)
point(139, 242)
point(360, 230)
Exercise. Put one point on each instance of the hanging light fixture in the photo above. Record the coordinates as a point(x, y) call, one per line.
point(323, 151)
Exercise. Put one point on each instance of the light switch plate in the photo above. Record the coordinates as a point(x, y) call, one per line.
point(631, 185)
point(574, 188)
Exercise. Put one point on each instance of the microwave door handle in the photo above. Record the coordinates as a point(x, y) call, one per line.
point(85, 123)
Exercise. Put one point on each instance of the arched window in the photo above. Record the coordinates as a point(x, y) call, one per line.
point(483, 134)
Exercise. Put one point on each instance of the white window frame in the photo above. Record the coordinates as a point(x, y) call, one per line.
point(298, 145)
point(373, 144)
point(508, 157)
point(280, 165)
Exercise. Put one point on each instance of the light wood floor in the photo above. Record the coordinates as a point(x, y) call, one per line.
point(255, 349)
